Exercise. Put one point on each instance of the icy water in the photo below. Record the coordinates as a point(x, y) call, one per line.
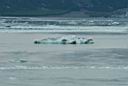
point(38, 24)
point(104, 63)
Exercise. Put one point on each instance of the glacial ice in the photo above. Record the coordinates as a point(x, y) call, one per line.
point(66, 40)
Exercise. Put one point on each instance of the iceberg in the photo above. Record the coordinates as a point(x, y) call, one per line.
point(65, 40)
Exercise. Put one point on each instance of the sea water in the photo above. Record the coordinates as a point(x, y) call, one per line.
point(22, 63)
point(35, 24)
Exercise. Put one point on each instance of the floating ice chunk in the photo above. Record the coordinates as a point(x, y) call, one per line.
point(115, 23)
point(66, 40)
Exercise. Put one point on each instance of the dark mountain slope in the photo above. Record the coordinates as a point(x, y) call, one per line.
point(61, 7)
